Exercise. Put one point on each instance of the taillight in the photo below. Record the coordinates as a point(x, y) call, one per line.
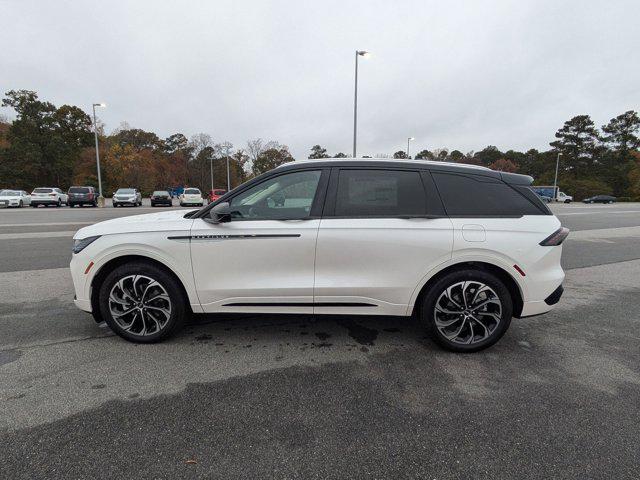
point(556, 238)
point(52, 194)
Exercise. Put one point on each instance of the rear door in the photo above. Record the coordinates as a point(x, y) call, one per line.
point(382, 230)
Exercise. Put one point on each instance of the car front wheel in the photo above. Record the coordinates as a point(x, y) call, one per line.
point(142, 303)
point(467, 310)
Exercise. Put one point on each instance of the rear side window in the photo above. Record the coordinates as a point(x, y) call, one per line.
point(380, 193)
point(479, 196)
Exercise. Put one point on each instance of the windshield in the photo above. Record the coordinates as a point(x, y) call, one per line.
point(125, 191)
point(219, 192)
point(160, 192)
point(9, 193)
point(78, 190)
point(192, 191)
point(43, 190)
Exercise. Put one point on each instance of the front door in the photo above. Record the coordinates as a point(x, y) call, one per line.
point(263, 259)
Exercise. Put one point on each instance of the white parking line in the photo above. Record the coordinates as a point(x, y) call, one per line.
point(604, 233)
point(17, 236)
point(51, 224)
point(558, 214)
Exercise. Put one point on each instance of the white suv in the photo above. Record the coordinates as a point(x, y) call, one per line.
point(463, 248)
point(191, 196)
point(48, 196)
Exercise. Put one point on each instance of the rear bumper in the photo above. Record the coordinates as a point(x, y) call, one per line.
point(538, 307)
point(555, 296)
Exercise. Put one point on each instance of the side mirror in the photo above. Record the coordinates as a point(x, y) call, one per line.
point(221, 213)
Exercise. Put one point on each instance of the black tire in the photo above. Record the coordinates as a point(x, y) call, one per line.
point(34, 205)
point(452, 279)
point(59, 203)
point(115, 205)
point(167, 281)
point(20, 205)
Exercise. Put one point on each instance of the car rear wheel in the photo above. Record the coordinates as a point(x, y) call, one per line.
point(467, 310)
point(142, 303)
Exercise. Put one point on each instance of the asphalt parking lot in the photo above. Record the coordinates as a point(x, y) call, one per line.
point(303, 397)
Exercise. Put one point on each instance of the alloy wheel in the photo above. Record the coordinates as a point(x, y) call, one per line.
point(139, 305)
point(467, 312)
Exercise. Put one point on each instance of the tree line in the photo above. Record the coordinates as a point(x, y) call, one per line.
point(53, 146)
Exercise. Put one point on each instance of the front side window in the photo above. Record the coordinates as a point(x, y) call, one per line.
point(285, 197)
point(380, 193)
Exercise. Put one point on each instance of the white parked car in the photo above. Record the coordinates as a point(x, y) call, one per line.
point(191, 196)
point(464, 248)
point(127, 196)
point(48, 196)
point(14, 198)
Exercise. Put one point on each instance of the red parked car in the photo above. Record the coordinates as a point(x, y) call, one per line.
point(216, 194)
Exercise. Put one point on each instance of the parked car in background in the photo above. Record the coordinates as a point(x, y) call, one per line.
point(48, 196)
point(161, 197)
point(216, 194)
point(14, 198)
point(127, 196)
point(600, 199)
point(463, 248)
point(82, 196)
point(191, 196)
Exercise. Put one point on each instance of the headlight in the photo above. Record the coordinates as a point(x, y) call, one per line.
point(82, 243)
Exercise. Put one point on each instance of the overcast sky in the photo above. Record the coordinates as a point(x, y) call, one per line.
point(452, 74)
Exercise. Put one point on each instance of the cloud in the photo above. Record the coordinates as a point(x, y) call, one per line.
point(452, 74)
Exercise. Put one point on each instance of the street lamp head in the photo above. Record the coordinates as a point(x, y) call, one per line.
point(99, 104)
point(363, 53)
point(411, 138)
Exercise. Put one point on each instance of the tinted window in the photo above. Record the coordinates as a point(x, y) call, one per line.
point(42, 190)
point(379, 193)
point(287, 196)
point(219, 192)
point(479, 196)
point(161, 192)
point(78, 190)
point(192, 191)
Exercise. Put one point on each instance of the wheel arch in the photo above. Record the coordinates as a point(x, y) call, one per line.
point(114, 263)
point(511, 284)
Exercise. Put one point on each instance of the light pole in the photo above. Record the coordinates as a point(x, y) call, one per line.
point(95, 132)
point(211, 170)
point(228, 147)
point(408, 140)
point(555, 179)
point(365, 54)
